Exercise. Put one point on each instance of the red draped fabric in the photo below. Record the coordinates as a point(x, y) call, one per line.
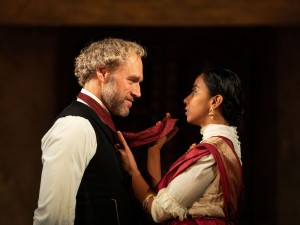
point(133, 139)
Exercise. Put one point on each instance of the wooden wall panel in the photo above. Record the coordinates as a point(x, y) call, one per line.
point(152, 13)
point(288, 132)
point(27, 96)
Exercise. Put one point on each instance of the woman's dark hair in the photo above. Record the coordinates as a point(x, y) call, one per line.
point(226, 83)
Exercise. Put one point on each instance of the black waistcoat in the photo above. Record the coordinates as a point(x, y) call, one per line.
point(104, 195)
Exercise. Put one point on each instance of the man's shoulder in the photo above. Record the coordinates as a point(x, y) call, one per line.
point(75, 109)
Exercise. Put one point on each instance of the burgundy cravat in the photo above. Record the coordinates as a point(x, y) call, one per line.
point(133, 139)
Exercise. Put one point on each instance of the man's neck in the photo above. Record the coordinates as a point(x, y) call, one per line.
point(93, 88)
point(92, 95)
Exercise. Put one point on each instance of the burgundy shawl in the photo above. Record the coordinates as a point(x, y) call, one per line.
point(232, 185)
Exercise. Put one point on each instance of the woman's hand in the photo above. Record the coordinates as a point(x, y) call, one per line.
point(128, 161)
point(157, 145)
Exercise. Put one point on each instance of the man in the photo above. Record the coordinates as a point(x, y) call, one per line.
point(82, 181)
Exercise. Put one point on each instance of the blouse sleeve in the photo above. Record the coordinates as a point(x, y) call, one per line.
point(174, 200)
point(67, 149)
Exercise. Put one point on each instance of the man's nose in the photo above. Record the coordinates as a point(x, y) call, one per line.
point(136, 90)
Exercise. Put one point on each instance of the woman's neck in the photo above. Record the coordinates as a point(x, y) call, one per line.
point(215, 120)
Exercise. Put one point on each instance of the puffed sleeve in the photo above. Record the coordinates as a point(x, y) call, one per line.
point(174, 200)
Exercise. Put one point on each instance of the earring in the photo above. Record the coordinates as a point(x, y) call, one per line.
point(211, 113)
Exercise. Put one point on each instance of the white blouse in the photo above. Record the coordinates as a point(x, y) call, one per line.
point(174, 200)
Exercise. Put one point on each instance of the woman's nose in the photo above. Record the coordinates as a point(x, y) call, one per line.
point(185, 101)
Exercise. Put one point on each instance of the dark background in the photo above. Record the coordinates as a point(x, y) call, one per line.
point(37, 64)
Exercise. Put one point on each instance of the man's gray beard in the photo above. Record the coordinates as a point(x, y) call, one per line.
point(113, 100)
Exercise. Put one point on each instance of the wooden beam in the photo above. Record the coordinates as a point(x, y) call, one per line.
point(150, 13)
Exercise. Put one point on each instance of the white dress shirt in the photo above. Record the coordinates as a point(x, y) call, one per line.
point(67, 149)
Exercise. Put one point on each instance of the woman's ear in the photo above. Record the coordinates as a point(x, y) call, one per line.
point(217, 101)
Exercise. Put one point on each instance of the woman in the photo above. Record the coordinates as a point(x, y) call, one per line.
point(204, 186)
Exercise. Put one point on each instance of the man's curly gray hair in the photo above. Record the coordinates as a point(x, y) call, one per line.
point(109, 53)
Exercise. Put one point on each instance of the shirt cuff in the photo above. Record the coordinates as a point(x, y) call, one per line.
point(164, 206)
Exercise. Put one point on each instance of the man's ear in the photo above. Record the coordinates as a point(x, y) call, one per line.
point(102, 74)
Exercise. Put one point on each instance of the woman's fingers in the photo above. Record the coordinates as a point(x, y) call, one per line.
point(172, 133)
point(130, 164)
point(167, 115)
point(124, 143)
point(122, 139)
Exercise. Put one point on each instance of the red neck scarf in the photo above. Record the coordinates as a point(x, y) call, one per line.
point(133, 139)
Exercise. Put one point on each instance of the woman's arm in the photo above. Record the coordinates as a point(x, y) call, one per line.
point(154, 165)
point(153, 159)
point(175, 199)
point(141, 189)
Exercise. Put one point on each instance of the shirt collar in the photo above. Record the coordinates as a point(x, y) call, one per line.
point(84, 91)
point(229, 132)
